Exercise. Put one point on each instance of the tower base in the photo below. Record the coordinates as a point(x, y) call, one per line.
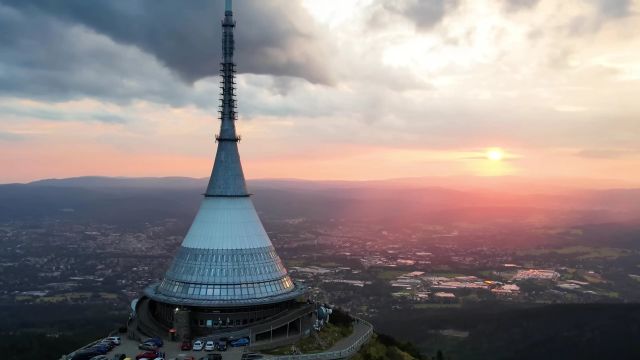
point(265, 326)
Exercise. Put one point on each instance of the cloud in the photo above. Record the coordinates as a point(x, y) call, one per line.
point(423, 14)
point(606, 153)
point(110, 118)
point(613, 8)
point(44, 58)
point(275, 37)
point(520, 4)
point(13, 110)
point(11, 136)
point(602, 13)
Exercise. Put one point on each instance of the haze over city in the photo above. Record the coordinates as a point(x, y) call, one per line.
point(354, 90)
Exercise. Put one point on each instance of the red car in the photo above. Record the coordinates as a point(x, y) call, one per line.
point(186, 345)
point(148, 355)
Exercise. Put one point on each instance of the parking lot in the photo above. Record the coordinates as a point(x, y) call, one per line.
point(172, 350)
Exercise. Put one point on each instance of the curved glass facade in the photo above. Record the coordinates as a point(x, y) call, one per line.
point(225, 275)
point(226, 266)
point(222, 292)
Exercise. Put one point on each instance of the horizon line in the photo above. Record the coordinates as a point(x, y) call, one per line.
point(620, 183)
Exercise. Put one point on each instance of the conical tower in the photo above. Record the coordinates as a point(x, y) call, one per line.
point(226, 258)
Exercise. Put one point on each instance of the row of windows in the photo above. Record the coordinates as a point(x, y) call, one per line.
point(256, 271)
point(222, 292)
point(226, 323)
point(226, 255)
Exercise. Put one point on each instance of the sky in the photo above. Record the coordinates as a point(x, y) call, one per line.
point(328, 89)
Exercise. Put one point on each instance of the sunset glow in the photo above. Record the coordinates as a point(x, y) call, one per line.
point(495, 154)
point(357, 91)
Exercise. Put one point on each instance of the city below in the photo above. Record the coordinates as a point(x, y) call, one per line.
point(65, 264)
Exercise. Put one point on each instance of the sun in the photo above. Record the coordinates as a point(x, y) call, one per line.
point(495, 154)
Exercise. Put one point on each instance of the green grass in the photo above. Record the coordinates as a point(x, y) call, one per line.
point(446, 274)
point(609, 294)
point(583, 252)
point(108, 296)
point(329, 264)
point(376, 350)
point(298, 263)
point(592, 279)
point(389, 274)
point(66, 297)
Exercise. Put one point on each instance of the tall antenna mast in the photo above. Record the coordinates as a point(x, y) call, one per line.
point(227, 178)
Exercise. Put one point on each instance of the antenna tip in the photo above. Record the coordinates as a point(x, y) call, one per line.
point(227, 5)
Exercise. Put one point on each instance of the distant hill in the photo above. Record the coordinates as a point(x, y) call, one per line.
point(128, 182)
point(511, 184)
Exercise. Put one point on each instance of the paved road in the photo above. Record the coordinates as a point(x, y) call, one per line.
point(359, 329)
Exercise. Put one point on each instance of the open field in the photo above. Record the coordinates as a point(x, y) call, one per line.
point(582, 252)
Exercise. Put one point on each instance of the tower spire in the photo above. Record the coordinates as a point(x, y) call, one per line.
point(227, 177)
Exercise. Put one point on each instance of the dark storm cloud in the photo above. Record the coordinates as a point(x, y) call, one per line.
point(274, 37)
point(44, 58)
point(424, 14)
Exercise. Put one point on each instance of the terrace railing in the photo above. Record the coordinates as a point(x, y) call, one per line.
point(337, 354)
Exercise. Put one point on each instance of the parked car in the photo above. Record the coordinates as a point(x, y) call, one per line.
point(148, 346)
point(99, 350)
point(198, 345)
point(209, 346)
point(148, 355)
point(115, 339)
point(107, 344)
point(119, 356)
point(240, 342)
point(100, 357)
point(156, 340)
point(221, 346)
point(185, 346)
